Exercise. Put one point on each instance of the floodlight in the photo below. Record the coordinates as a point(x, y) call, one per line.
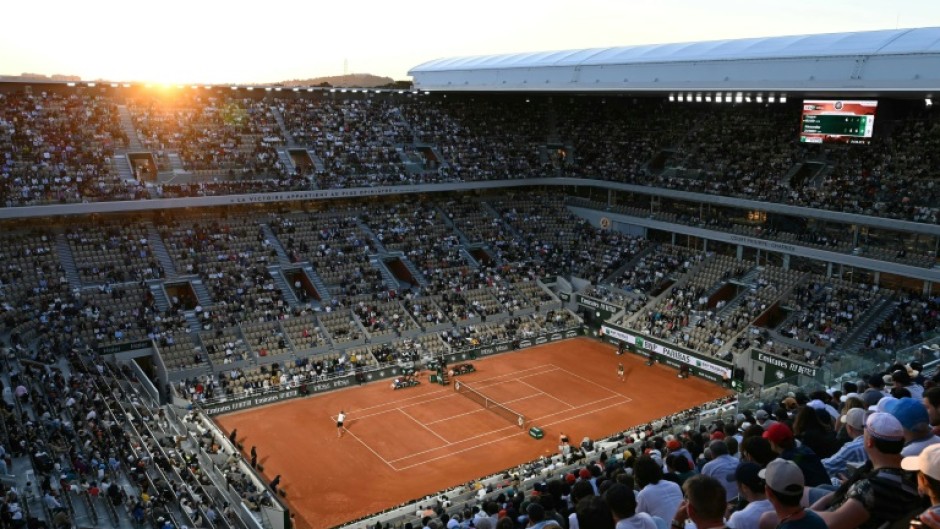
point(760, 98)
point(928, 102)
point(708, 98)
point(91, 85)
point(70, 84)
point(783, 98)
point(672, 97)
point(681, 98)
point(770, 98)
point(698, 98)
point(739, 97)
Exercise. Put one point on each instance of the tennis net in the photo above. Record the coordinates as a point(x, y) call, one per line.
point(514, 417)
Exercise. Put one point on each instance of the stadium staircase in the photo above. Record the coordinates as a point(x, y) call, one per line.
point(391, 282)
point(373, 239)
point(423, 281)
point(155, 241)
point(193, 321)
point(127, 123)
point(283, 285)
point(284, 157)
point(202, 292)
point(176, 164)
point(68, 261)
point(159, 294)
point(616, 274)
point(122, 167)
point(507, 226)
point(272, 239)
point(288, 137)
point(857, 338)
point(471, 260)
point(317, 281)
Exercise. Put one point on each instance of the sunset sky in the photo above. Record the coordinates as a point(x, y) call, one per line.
point(207, 41)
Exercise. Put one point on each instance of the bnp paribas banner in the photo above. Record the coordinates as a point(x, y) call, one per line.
point(778, 368)
point(700, 365)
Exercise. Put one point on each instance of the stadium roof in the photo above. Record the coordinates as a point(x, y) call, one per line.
point(870, 61)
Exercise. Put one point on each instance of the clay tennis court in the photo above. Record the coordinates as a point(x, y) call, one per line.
point(404, 444)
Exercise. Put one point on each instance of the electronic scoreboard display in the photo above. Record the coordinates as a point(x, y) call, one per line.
point(833, 121)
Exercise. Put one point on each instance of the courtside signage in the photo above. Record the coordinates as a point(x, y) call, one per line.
point(708, 368)
point(779, 368)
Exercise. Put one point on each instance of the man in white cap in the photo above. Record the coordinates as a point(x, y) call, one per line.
point(852, 451)
point(783, 485)
point(927, 466)
point(880, 491)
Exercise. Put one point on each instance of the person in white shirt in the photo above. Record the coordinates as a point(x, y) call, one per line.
point(622, 504)
point(340, 419)
point(751, 488)
point(657, 496)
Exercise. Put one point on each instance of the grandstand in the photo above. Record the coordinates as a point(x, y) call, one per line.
point(169, 257)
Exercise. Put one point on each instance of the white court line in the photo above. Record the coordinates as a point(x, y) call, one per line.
point(363, 443)
point(579, 415)
point(591, 382)
point(477, 436)
point(490, 382)
point(444, 394)
point(546, 394)
point(500, 429)
point(421, 424)
point(449, 454)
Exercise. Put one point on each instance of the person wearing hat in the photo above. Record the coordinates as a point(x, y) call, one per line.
point(751, 489)
point(913, 416)
point(721, 467)
point(927, 466)
point(674, 446)
point(781, 440)
point(880, 491)
point(852, 451)
point(783, 485)
point(763, 418)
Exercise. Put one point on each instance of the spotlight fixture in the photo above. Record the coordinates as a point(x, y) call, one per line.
point(928, 102)
point(698, 98)
point(672, 98)
point(783, 98)
point(760, 98)
point(681, 98)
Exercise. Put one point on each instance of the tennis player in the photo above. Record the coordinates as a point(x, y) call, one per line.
point(620, 372)
point(340, 419)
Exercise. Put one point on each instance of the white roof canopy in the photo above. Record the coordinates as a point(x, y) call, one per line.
point(888, 60)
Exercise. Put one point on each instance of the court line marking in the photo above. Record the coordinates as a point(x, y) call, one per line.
point(546, 394)
point(369, 448)
point(441, 395)
point(452, 453)
point(489, 432)
point(406, 414)
point(480, 445)
point(591, 382)
point(489, 382)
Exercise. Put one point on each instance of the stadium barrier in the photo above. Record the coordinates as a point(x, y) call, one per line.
point(700, 365)
point(278, 394)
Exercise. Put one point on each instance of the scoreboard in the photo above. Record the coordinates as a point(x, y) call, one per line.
point(831, 121)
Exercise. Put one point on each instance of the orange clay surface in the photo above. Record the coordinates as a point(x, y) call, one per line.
point(400, 445)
